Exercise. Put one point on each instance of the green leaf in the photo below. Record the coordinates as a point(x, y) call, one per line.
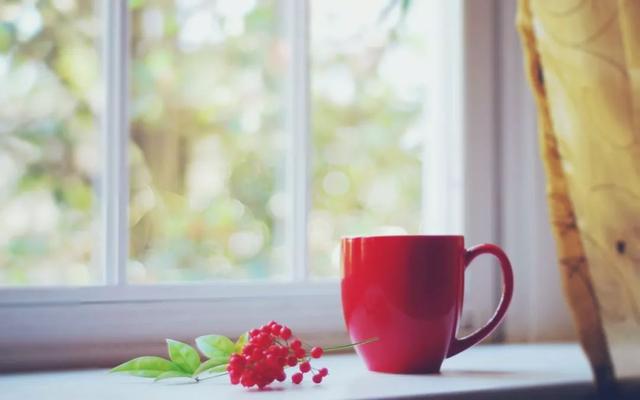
point(211, 363)
point(147, 367)
point(172, 374)
point(185, 356)
point(242, 340)
point(214, 346)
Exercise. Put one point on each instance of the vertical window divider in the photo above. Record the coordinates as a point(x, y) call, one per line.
point(443, 143)
point(114, 135)
point(297, 125)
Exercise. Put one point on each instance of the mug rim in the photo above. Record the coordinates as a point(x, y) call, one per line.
point(345, 238)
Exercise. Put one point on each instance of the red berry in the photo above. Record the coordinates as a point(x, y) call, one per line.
point(236, 360)
point(248, 349)
point(296, 378)
point(263, 359)
point(316, 352)
point(247, 380)
point(300, 353)
point(261, 340)
point(271, 359)
point(317, 378)
point(285, 332)
point(257, 355)
point(305, 366)
point(323, 371)
point(237, 369)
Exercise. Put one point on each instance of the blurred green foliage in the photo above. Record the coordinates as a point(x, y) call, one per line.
point(48, 142)
point(207, 150)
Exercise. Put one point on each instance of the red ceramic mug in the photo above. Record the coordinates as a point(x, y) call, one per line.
point(407, 291)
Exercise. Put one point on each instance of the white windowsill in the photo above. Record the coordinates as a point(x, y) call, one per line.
point(497, 371)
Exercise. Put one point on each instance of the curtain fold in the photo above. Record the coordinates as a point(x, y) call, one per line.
point(583, 64)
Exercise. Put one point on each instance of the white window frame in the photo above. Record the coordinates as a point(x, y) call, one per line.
point(100, 325)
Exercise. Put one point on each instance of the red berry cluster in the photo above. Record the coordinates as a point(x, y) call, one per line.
point(270, 349)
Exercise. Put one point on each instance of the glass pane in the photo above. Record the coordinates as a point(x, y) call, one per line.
point(207, 141)
point(49, 101)
point(368, 96)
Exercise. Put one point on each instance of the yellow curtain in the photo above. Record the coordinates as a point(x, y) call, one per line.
point(583, 64)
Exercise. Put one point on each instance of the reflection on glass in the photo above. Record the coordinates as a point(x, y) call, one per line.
point(368, 97)
point(49, 101)
point(206, 149)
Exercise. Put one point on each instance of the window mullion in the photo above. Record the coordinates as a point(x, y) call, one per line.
point(296, 22)
point(442, 175)
point(115, 133)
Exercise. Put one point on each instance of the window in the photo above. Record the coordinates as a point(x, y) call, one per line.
point(50, 97)
point(167, 154)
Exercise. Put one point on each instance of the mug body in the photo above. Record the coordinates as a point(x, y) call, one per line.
point(407, 292)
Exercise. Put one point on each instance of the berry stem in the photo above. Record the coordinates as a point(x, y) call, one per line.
point(198, 379)
point(350, 345)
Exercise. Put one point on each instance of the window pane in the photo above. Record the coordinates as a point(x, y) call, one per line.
point(207, 141)
point(49, 100)
point(368, 96)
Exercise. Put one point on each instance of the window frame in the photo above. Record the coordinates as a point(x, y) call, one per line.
point(100, 325)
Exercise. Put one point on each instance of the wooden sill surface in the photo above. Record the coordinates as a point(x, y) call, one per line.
point(489, 371)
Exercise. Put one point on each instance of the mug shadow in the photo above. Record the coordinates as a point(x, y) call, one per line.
point(459, 373)
point(477, 373)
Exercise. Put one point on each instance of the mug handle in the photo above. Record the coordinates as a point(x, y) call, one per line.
point(459, 345)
